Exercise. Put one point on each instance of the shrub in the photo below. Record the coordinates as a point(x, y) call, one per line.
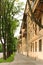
point(1, 48)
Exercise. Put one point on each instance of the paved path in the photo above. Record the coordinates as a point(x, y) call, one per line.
point(1, 55)
point(23, 60)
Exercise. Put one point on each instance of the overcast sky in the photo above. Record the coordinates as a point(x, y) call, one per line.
point(18, 29)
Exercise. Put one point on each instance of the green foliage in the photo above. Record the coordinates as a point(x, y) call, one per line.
point(15, 44)
point(8, 24)
point(1, 50)
point(10, 59)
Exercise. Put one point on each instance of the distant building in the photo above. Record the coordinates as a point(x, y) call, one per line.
point(32, 34)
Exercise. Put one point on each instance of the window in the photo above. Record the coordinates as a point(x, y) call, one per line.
point(40, 24)
point(31, 46)
point(35, 46)
point(36, 29)
point(40, 45)
point(33, 26)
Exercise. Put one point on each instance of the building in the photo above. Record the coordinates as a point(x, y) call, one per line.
point(32, 34)
point(23, 38)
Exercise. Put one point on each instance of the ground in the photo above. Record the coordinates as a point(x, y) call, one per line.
point(23, 60)
point(1, 55)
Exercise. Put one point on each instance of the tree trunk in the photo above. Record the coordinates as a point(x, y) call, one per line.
point(8, 54)
point(4, 51)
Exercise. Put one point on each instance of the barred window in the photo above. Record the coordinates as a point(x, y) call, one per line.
point(40, 45)
point(31, 46)
point(35, 46)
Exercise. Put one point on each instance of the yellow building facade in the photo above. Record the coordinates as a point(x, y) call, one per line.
point(32, 34)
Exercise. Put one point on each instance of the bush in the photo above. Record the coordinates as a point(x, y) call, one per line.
point(1, 50)
point(10, 59)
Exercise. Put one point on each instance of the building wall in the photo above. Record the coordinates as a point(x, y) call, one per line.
point(32, 45)
point(34, 40)
point(24, 46)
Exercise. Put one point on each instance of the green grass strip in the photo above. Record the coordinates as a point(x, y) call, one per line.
point(10, 59)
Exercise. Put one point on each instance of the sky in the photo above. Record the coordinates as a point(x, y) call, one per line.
point(21, 17)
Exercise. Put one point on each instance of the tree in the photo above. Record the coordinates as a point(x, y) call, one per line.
point(8, 24)
point(15, 43)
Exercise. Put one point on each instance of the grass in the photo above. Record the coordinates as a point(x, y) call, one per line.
point(10, 59)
